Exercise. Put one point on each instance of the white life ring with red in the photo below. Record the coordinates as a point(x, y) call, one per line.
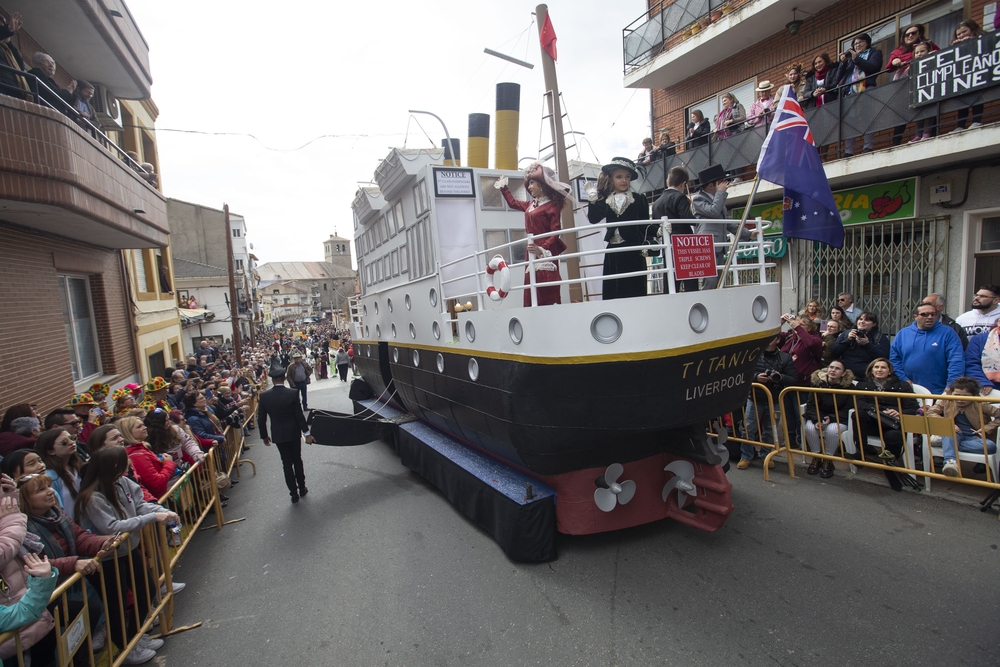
point(498, 267)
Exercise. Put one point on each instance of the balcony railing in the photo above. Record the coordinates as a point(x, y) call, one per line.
point(883, 109)
point(667, 23)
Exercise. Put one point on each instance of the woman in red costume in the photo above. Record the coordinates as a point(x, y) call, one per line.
point(541, 215)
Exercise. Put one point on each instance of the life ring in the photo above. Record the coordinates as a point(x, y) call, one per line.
point(498, 267)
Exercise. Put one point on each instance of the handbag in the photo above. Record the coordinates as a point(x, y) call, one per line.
point(886, 420)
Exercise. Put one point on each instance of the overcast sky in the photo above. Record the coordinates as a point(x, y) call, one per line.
point(289, 73)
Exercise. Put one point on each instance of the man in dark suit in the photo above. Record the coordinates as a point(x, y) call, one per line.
point(288, 424)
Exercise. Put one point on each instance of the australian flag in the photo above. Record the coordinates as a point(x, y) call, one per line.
point(789, 158)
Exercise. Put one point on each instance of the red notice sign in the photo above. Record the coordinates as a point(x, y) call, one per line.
point(694, 256)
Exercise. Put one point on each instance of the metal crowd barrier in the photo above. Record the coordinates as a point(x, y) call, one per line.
point(193, 496)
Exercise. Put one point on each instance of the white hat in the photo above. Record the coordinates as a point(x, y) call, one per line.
point(764, 85)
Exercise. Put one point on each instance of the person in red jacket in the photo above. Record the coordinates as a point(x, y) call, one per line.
point(151, 471)
point(805, 345)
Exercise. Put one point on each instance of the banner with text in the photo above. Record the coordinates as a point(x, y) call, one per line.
point(962, 68)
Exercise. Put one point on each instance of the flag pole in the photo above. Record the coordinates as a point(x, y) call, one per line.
point(736, 239)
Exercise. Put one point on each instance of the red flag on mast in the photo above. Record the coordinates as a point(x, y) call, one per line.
point(548, 37)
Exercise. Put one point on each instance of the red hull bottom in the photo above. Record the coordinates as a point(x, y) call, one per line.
point(578, 514)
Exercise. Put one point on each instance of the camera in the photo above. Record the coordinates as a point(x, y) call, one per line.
point(775, 376)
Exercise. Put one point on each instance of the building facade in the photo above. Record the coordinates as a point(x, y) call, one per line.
point(920, 216)
point(334, 281)
point(72, 212)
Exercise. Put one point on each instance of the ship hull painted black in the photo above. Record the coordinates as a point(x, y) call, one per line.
point(554, 418)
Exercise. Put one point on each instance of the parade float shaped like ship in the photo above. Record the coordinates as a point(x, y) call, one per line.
point(606, 403)
point(581, 417)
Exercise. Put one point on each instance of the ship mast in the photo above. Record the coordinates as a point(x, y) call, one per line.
point(562, 165)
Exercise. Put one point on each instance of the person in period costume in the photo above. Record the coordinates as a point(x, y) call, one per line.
point(710, 204)
point(674, 204)
point(541, 215)
point(613, 201)
point(288, 425)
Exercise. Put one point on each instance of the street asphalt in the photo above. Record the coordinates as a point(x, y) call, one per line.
point(374, 567)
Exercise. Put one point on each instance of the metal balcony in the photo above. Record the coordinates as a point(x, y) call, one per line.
point(883, 110)
point(677, 39)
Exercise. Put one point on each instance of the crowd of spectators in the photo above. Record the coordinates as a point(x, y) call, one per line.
point(857, 69)
point(935, 354)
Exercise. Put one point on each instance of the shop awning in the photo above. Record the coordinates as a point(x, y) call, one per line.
point(195, 315)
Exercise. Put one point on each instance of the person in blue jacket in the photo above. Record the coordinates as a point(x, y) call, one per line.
point(927, 352)
point(42, 580)
point(983, 354)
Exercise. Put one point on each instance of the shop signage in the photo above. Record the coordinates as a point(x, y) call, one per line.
point(962, 68)
point(881, 202)
point(694, 256)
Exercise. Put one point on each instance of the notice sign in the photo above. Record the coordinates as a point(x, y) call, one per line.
point(965, 67)
point(694, 256)
point(453, 183)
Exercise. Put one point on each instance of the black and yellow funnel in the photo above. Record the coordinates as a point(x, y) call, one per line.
point(508, 119)
point(452, 152)
point(479, 140)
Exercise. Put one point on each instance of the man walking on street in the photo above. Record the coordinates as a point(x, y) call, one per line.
point(288, 424)
point(298, 376)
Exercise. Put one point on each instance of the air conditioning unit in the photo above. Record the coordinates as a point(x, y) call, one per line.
point(106, 108)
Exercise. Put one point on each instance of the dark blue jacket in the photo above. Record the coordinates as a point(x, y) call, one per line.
point(857, 357)
point(974, 360)
point(201, 425)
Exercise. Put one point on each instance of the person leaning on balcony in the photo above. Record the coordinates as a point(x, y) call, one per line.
point(646, 154)
point(909, 37)
point(797, 80)
point(966, 30)
point(730, 120)
point(44, 67)
point(666, 147)
point(698, 130)
point(863, 64)
point(11, 83)
point(762, 107)
point(822, 81)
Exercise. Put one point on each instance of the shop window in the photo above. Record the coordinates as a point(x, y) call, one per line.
point(81, 330)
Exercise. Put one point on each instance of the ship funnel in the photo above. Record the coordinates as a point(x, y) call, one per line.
point(508, 119)
point(452, 152)
point(479, 140)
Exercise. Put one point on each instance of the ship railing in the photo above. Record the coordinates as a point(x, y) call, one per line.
point(753, 272)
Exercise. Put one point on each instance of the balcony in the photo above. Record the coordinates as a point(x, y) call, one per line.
point(879, 111)
point(96, 40)
point(675, 39)
point(57, 179)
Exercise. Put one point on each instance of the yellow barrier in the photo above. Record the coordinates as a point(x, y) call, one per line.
point(910, 425)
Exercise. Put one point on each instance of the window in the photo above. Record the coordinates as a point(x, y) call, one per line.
point(744, 94)
point(156, 364)
point(324, 287)
point(419, 198)
point(239, 265)
point(140, 270)
point(497, 237)
point(390, 223)
point(399, 216)
point(403, 258)
point(81, 332)
point(276, 292)
point(236, 232)
point(490, 196)
point(395, 262)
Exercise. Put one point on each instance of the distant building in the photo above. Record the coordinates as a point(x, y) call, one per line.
point(335, 282)
point(337, 250)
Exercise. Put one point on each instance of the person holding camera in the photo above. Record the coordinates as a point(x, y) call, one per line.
point(880, 418)
point(861, 345)
point(775, 370)
point(861, 66)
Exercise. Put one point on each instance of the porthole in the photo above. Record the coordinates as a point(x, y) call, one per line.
point(473, 370)
point(698, 318)
point(433, 296)
point(436, 330)
point(515, 330)
point(440, 362)
point(406, 300)
point(606, 328)
point(395, 355)
point(368, 351)
point(376, 307)
point(470, 332)
point(388, 304)
point(367, 333)
point(416, 358)
point(364, 309)
point(759, 309)
point(393, 330)
point(378, 331)
point(413, 331)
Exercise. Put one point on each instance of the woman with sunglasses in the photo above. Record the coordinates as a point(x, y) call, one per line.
point(153, 471)
point(57, 449)
point(110, 503)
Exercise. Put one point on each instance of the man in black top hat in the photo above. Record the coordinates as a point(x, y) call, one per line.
point(288, 424)
point(710, 204)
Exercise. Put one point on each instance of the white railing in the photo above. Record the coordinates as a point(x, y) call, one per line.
point(666, 272)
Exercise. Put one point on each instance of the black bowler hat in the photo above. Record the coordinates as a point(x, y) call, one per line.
point(712, 174)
